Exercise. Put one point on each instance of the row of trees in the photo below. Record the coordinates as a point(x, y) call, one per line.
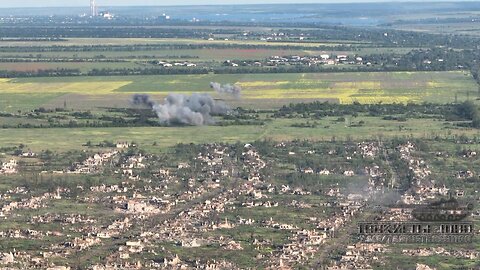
point(66, 72)
point(62, 31)
point(469, 111)
point(137, 29)
point(465, 111)
point(436, 59)
point(156, 47)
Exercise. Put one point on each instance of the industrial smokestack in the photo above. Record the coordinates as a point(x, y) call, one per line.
point(93, 8)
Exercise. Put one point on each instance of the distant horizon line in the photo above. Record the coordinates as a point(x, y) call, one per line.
point(259, 4)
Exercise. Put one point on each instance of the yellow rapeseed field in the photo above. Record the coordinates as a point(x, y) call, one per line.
point(270, 84)
point(344, 92)
point(8, 86)
point(359, 85)
point(346, 88)
point(379, 99)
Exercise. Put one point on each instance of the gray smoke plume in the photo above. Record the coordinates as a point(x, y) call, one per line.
point(195, 110)
point(230, 89)
point(142, 99)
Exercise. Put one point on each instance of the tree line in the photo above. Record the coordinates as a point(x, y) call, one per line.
point(465, 111)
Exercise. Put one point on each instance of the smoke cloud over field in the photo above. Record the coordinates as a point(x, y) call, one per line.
point(142, 99)
point(230, 89)
point(196, 109)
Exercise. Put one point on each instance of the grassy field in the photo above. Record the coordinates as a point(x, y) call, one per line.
point(135, 41)
point(205, 54)
point(279, 129)
point(458, 23)
point(265, 90)
point(82, 66)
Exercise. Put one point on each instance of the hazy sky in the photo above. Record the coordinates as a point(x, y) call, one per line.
point(57, 3)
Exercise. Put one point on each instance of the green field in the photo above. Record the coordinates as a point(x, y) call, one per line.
point(153, 41)
point(454, 23)
point(279, 129)
point(82, 66)
point(259, 90)
point(205, 54)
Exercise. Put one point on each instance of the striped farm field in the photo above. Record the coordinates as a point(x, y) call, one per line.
point(264, 90)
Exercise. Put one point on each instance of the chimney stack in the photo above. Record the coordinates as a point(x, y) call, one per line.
point(93, 8)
